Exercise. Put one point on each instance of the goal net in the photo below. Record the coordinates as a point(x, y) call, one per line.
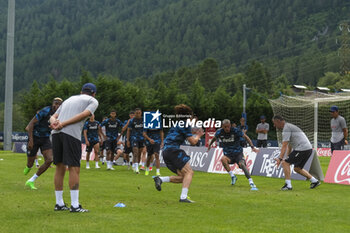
point(311, 113)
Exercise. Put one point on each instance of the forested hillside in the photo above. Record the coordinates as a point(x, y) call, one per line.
point(130, 39)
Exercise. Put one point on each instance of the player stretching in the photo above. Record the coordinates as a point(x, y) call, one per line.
point(154, 141)
point(112, 126)
point(176, 159)
point(229, 138)
point(39, 137)
point(294, 138)
point(92, 134)
point(135, 138)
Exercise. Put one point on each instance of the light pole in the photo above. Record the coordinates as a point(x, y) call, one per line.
point(9, 76)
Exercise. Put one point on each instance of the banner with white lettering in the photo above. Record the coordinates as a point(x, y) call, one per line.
point(20, 147)
point(217, 167)
point(210, 161)
point(200, 157)
point(265, 165)
point(339, 168)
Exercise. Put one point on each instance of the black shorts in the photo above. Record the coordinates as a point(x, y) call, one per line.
point(261, 143)
point(92, 144)
point(235, 157)
point(111, 145)
point(153, 148)
point(42, 143)
point(66, 149)
point(127, 150)
point(175, 159)
point(103, 146)
point(338, 145)
point(138, 144)
point(299, 158)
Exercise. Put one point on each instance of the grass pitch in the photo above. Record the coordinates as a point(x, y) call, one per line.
point(219, 206)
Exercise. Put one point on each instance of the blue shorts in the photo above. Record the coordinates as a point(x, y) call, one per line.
point(175, 159)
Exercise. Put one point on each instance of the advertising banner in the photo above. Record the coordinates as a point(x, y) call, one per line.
point(265, 165)
point(324, 152)
point(217, 167)
point(339, 168)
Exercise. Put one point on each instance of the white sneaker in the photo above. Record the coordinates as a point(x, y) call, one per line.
point(111, 168)
point(87, 167)
point(97, 167)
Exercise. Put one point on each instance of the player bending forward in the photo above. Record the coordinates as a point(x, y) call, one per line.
point(229, 138)
point(294, 138)
point(176, 159)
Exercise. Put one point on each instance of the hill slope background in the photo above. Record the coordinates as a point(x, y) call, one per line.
point(129, 38)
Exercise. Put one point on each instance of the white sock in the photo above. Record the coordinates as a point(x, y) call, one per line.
point(34, 177)
point(96, 164)
point(251, 181)
point(289, 183)
point(184, 193)
point(158, 170)
point(113, 160)
point(59, 198)
point(136, 167)
point(313, 180)
point(36, 162)
point(87, 164)
point(231, 173)
point(74, 197)
point(165, 178)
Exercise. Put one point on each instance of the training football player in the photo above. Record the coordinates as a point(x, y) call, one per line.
point(293, 138)
point(112, 126)
point(127, 149)
point(103, 152)
point(154, 141)
point(135, 137)
point(175, 158)
point(39, 138)
point(229, 138)
point(92, 134)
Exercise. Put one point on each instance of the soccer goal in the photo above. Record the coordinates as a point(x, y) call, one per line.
point(310, 112)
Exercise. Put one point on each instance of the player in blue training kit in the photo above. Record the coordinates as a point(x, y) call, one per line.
point(39, 138)
point(230, 140)
point(135, 138)
point(92, 134)
point(127, 150)
point(112, 126)
point(154, 141)
point(176, 159)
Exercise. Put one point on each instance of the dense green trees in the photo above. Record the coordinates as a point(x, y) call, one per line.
point(219, 98)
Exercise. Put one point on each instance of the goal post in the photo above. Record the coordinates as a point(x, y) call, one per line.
point(311, 113)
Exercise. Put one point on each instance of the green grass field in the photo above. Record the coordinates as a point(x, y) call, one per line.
point(219, 206)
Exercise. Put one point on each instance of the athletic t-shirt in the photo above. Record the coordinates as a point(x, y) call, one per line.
point(112, 128)
point(71, 107)
point(337, 126)
point(177, 136)
point(296, 137)
point(153, 134)
point(136, 126)
point(266, 126)
point(230, 142)
point(41, 128)
point(92, 130)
